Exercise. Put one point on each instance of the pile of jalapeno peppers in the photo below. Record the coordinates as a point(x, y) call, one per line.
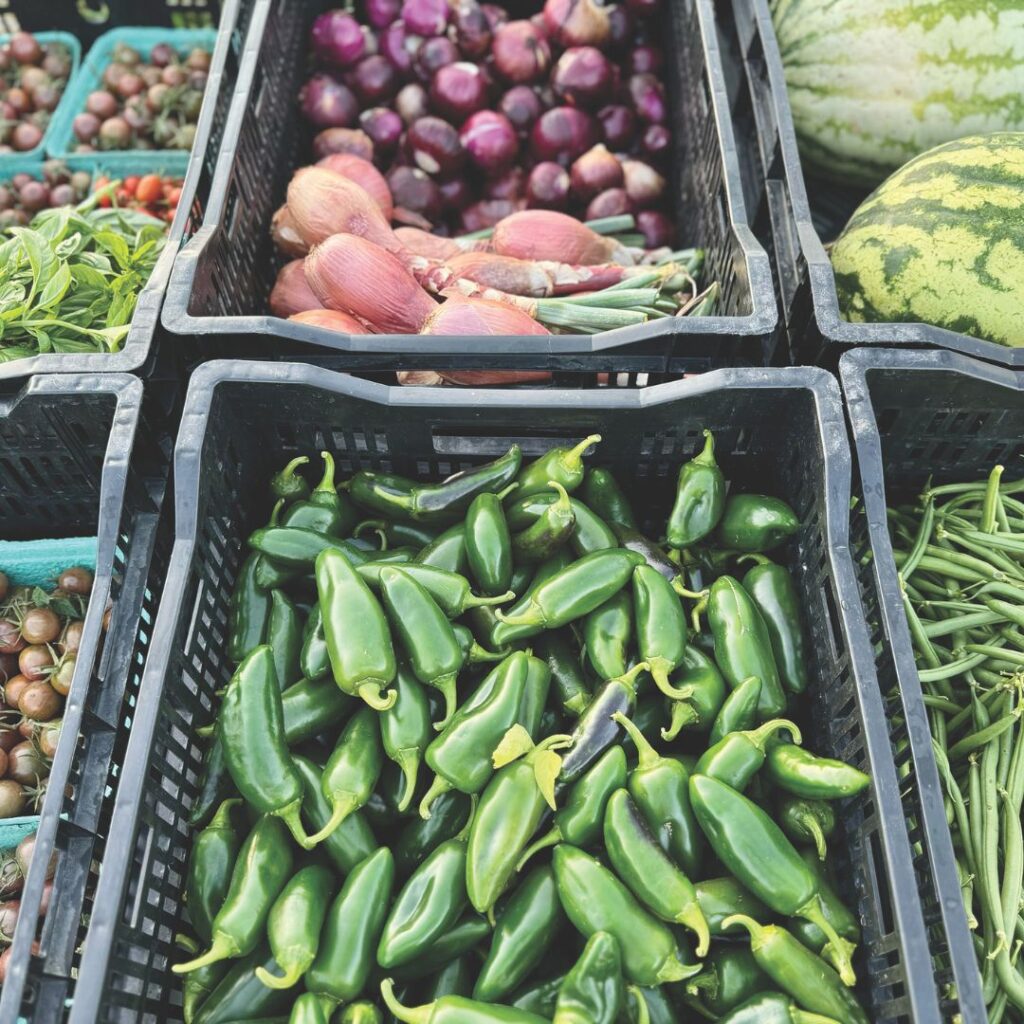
point(960, 555)
point(490, 755)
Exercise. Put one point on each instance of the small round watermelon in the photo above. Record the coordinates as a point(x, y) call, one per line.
point(941, 242)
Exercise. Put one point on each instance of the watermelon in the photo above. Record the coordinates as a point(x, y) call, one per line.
point(942, 242)
point(873, 83)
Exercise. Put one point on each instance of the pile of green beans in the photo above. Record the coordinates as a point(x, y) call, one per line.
point(960, 554)
point(491, 755)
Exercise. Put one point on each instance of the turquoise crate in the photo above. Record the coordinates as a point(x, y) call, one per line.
point(60, 144)
point(29, 161)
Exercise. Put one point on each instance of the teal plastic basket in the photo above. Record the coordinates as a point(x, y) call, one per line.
point(60, 143)
point(30, 160)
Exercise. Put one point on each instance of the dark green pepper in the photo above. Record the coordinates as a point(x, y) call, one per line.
point(325, 510)
point(216, 784)
point(659, 785)
point(489, 543)
point(397, 534)
point(197, 986)
point(447, 551)
point(601, 491)
point(294, 923)
point(698, 677)
point(738, 711)
point(250, 612)
point(358, 638)
point(250, 726)
point(732, 978)
point(566, 675)
point(806, 821)
point(450, 590)
point(535, 696)
point(361, 1013)
point(742, 645)
point(607, 636)
point(647, 871)
point(454, 1010)
point(425, 633)
point(772, 1008)
point(284, 635)
point(593, 991)
point(802, 773)
point(209, 868)
point(756, 523)
point(308, 1009)
point(240, 994)
point(287, 483)
point(261, 870)
point(454, 979)
point(772, 589)
point(526, 927)
point(737, 758)
point(314, 659)
point(295, 547)
point(549, 532)
point(352, 771)
point(590, 532)
point(465, 935)
point(539, 996)
point(449, 814)
point(405, 730)
point(595, 900)
point(700, 498)
point(311, 707)
point(348, 944)
point(720, 898)
point(564, 465)
point(660, 627)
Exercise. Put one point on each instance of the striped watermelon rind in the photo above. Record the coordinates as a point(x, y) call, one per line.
point(942, 242)
point(872, 83)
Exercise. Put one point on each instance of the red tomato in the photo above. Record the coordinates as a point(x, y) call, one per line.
point(174, 197)
point(149, 189)
point(131, 183)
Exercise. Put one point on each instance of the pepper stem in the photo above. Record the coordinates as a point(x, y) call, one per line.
point(648, 756)
point(811, 823)
point(371, 693)
point(438, 787)
point(279, 981)
point(577, 703)
point(838, 951)
point(220, 949)
point(222, 816)
point(343, 807)
point(327, 484)
point(643, 1015)
point(446, 686)
point(206, 731)
point(630, 678)
point(405, 1014)
point(683, 714)
point(275, 514)
point(755, 558)
point(693, 918)
point(286, 474)
point(548, 839)
point(660, 668)
point(476, 601)
point(409, 761)
point(756, 930)
point(573, 458)
point(502, 495)
point(564, 502)
point(530, 616)
point(763, 733)
point(290, 816)
point(707, 454)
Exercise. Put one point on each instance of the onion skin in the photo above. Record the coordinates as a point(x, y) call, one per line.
point(286, 235)
point(462, 317)
point(422, 243)
point(521, 54)
point(363, 174)
point(488, 212)
point(291, 294)
point(612, 202)
point(343, 140)
point(490, 140)
point(549, 235)
point(562, 134)
point(331, 319)
point(323, 203)
point(351, 274)
point(548, 186)
point(594, 172)
point(483, 378)
point(488, 269)
point(577, 22)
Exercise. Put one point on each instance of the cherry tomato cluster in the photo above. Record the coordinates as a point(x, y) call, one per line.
point(152, 193)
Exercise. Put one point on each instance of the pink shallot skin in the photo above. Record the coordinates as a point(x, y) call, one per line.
point(291, 293)
point(332, 319)
point(461, 316)
point(549, 235)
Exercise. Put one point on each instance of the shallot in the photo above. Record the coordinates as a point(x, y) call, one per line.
point(363, 174)
point(286, 234)
point(332, 319)
point(549, 235)
point(291, 294)
point(323, 203)
point(459, 316)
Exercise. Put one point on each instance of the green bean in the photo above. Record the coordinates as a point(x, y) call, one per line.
point(944, 627)
point(988, 508)
point(923, 535)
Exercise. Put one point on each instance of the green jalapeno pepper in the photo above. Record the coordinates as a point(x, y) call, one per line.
point(595, 900)
point(549, 532)
point(461, 756)
point(772, 589)
point(403, 499)
point(648, 872)
point(314, 659)
point(756, 523)
point(607, 635)
point(772, 1008)
point(806, 821)
point(472, 652)
point(802, 773)
point(288, 483)
point(601, 491)
point(737, 758)
point(560, 560)
point(263, 866)
point(763, 860)
point(652, 554)
point(535, 696)
point(593, 991)
point(742, 645)
point(465, 935)
point(699, 679)
point(209, 868)
point(449, 814)
point(297, 548)
point(659, 785)
point(250, 726)
point(720, 898)
point(738, 710)
point(250, 612)
point(294, 923)
point(836, 913)
point(733, 977)
point(356, 629)
point(361, 1013)
point(660, 627)
point(240, 994)
point(567, 677)
point(215, 787)
point(348, 943)
point(801, 974)
point(308, 1009)
point(406, 731)
point(311, 707)
point(447, 551)
point(454, 979)
point(580, 820)
point(325, 510)
point(539, 996)
point(700, 498)
point(570, 594)
point(198, 985)
point(425, 633)
point(509, 811)
point(397, 534)
point(489, 543)
point(564, 465)
point(590, 532)
point(454, 1010)
point(450, 590)
point(284, 635)
point(352, 771)
point(525, 930)
point(352, 841)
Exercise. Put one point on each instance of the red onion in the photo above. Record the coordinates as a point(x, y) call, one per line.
point(656, 228)
point(338, 39)
point(363, 174)
point(384, 127)
point(458, 90)
point(375, 80)
point(510, 185)
point(646, 60)
point(472, 29)
point(332, 319)
point(381, 13)
point(291, 294)
point(414, 191)
point(583, 77)
point(327, 103)
point(644, 185)
point(648, 98)
point(411, 102)
point(285, 233)
point(466, 317)
point(613, 202)
point(548, 186)
point(425, 17)
point(618, 125)
point(323, 203)
point(488, 212)
point(435, 147)
point(620, 27)
point(594, 172)
point(343, 140)
point(433, 55)
point(399, 46)
point(456, 194)
point(522, 106)
point(490, 140)
point(577, 22)
point(521, 53)
point(495, 15)
point(540, 24)
point(562, 134)
point(657, 141)
point(643, 8)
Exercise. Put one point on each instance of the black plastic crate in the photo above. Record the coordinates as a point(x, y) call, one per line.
point(78, 457)
point(915, 416)
point(794, 217)
point(223, 275)
point(781, 429)
point(145, 351)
